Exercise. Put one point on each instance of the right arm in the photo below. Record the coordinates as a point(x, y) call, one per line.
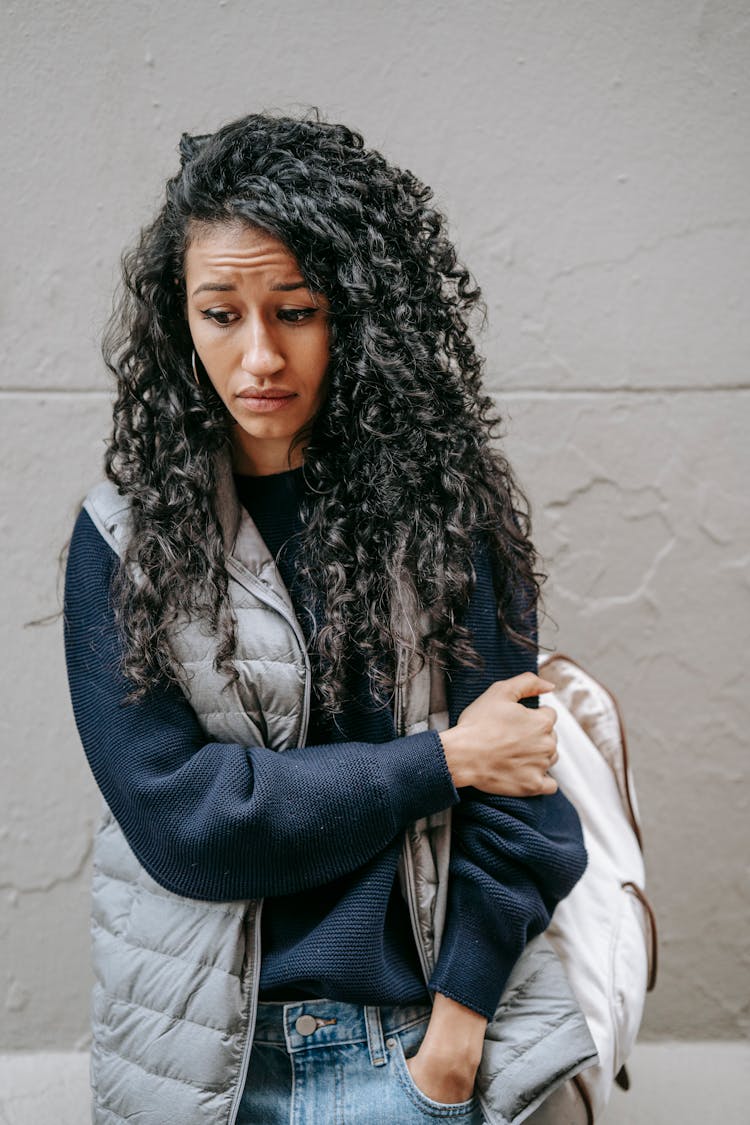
point(222, 821)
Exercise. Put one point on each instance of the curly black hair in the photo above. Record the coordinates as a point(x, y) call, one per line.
point(404, 479)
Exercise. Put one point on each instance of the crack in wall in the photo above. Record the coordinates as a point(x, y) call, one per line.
point(14, 889)
point(642, 248)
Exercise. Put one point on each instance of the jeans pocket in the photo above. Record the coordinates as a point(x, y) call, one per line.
point(396, 1044)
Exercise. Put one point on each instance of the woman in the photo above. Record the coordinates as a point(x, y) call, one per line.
point(306, 544)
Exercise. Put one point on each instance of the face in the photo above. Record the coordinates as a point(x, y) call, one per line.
point(262, 337)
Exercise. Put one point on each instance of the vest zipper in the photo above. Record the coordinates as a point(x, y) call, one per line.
point(251, 1018)
point(407, 863)
point(411, 901)
point(267, 596)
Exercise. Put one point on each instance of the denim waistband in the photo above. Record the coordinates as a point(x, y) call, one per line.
point(310, 1024)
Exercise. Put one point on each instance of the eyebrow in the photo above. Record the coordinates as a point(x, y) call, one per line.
point(218, 287)
point(289, 287)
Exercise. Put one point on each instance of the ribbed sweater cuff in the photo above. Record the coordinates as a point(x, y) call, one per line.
point(475, 969)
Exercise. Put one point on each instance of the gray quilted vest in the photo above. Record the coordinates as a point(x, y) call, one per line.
point(176, 979)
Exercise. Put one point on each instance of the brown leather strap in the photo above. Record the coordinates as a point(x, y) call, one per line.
point(654, 943)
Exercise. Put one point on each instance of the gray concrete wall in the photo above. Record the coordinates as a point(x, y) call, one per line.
point(594, 160)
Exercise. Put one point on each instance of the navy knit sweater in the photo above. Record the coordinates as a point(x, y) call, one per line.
point(317, 830)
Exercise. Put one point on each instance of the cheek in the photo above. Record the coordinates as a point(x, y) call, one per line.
point(200, 341)
point(195, 323)
point(211, 348)
point(318, 358)
point(320, 382)
point(312, 365)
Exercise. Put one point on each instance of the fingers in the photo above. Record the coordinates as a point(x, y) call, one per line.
point(549, 715)
point(534, 783)
point(551, 739)
point(525, 685)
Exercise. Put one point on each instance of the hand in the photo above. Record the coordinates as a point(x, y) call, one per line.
point(445, 1066)
point(439, 1078)
point(502, 747)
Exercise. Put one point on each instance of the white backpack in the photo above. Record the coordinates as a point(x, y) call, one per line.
point(604, 931)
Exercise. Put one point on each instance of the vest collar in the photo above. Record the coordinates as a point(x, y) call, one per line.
point(243, 543)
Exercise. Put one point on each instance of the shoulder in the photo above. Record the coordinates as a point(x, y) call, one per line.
point(89, 552)
point(523, 594)
point(109, 512)
point(482, 613)
point(98, 537)
point(90, 569)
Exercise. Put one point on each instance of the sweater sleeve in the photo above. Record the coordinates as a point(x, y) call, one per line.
point(512, 859)
point(219, 821)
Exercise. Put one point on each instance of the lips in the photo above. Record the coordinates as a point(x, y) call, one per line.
point(278, 392)
point(264, 402)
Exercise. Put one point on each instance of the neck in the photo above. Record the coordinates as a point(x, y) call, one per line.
point(262, 459)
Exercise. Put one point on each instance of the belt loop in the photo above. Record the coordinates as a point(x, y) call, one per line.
point(375, 1040)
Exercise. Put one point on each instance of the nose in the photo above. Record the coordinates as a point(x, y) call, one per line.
point(262, 354)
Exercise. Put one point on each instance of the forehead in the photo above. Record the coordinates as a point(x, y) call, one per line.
point(236, 247)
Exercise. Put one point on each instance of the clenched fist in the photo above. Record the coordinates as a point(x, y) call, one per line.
point(502, 747)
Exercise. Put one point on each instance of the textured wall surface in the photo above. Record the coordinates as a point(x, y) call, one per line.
point(594, 160)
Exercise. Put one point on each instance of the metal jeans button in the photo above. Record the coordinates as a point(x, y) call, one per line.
point(306, 1025)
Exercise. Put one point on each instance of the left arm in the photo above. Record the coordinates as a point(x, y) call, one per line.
point(512, 860)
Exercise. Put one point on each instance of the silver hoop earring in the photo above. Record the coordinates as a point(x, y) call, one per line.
point(195, 370)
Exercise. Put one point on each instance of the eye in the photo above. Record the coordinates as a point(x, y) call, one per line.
point(296, 316)
point(222, 317)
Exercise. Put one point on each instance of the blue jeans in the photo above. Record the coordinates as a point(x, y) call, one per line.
point(323, 1062)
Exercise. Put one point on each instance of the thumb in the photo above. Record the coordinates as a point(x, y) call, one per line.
point(525, 685)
